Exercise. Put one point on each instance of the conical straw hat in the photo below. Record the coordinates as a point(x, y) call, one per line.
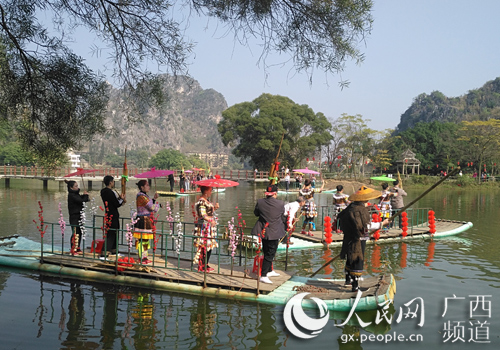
point(364, 194)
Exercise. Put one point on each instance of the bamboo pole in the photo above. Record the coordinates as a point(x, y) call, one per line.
point(453, 172)
point(400, 211)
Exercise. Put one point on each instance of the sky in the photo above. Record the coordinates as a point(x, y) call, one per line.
point(415, 47)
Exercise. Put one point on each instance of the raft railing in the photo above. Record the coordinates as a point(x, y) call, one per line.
point(417, 217)
point(173, 239)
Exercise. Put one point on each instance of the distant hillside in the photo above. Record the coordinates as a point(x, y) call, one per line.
point(186, 122)
point(479, 104)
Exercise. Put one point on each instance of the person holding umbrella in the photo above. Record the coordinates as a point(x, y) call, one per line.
point(143, 228)
point(112, 201)
point(75, 207)
point(205, 229)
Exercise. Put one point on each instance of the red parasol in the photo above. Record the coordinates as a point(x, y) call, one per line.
point(306, 171)
point(153, 173)
point(80, 172)
point(217, 182)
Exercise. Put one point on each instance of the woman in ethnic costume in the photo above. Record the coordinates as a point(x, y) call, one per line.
point(75, 207)
point(309, 209)
point(340, 202)
point(205, 229)
point(355, 221)
point(143, 228)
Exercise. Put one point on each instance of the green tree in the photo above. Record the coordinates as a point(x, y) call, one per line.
point(114, 160)
point(12, 153)
point(480, 141)
point(255, 130)
point(137, 157)
point(173, 159)
point(355, 142)
point(59, 102)
point(433, 143)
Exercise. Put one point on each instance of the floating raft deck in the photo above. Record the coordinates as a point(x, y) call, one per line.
point(444, 228)
point(173, 274)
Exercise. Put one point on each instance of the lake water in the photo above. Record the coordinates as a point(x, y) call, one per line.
point(451, 285)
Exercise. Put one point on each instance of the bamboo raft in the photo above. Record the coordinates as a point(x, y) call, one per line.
point(444, 228)
point(175, 274)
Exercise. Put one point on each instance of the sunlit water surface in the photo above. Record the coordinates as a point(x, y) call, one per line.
point(50, 312)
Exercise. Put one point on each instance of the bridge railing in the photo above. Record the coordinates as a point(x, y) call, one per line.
point(34, 171)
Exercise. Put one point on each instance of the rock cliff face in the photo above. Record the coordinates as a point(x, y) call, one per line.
point(187, 122)
point(478, 104)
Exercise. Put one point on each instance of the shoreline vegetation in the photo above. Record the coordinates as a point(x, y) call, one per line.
point(416, 181)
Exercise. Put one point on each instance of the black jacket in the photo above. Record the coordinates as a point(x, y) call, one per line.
point(353, 221)
point(108, 195)
point(270, 210)
point(75, 202)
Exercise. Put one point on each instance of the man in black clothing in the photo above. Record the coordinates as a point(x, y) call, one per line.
point(270, 227)
point(112, 201)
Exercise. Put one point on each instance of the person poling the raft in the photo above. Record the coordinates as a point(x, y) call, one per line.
point(290, 210)
point(205, 229)
point(355, 222)
point(309, 209)
point(143, 228)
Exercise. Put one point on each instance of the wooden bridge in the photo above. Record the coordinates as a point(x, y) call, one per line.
point(8, 172)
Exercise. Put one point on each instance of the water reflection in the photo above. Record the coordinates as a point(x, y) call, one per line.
point(202, 323)
point(76, 336)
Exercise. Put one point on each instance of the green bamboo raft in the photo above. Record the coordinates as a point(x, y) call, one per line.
point(444, 228)
point(172, 274)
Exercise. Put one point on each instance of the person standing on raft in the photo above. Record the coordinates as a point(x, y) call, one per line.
point(143, 228)
point(340, 202)
point(205, 229)
point(355, 222)
point(271, 226)
point(75, 207)
point(112, 201)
